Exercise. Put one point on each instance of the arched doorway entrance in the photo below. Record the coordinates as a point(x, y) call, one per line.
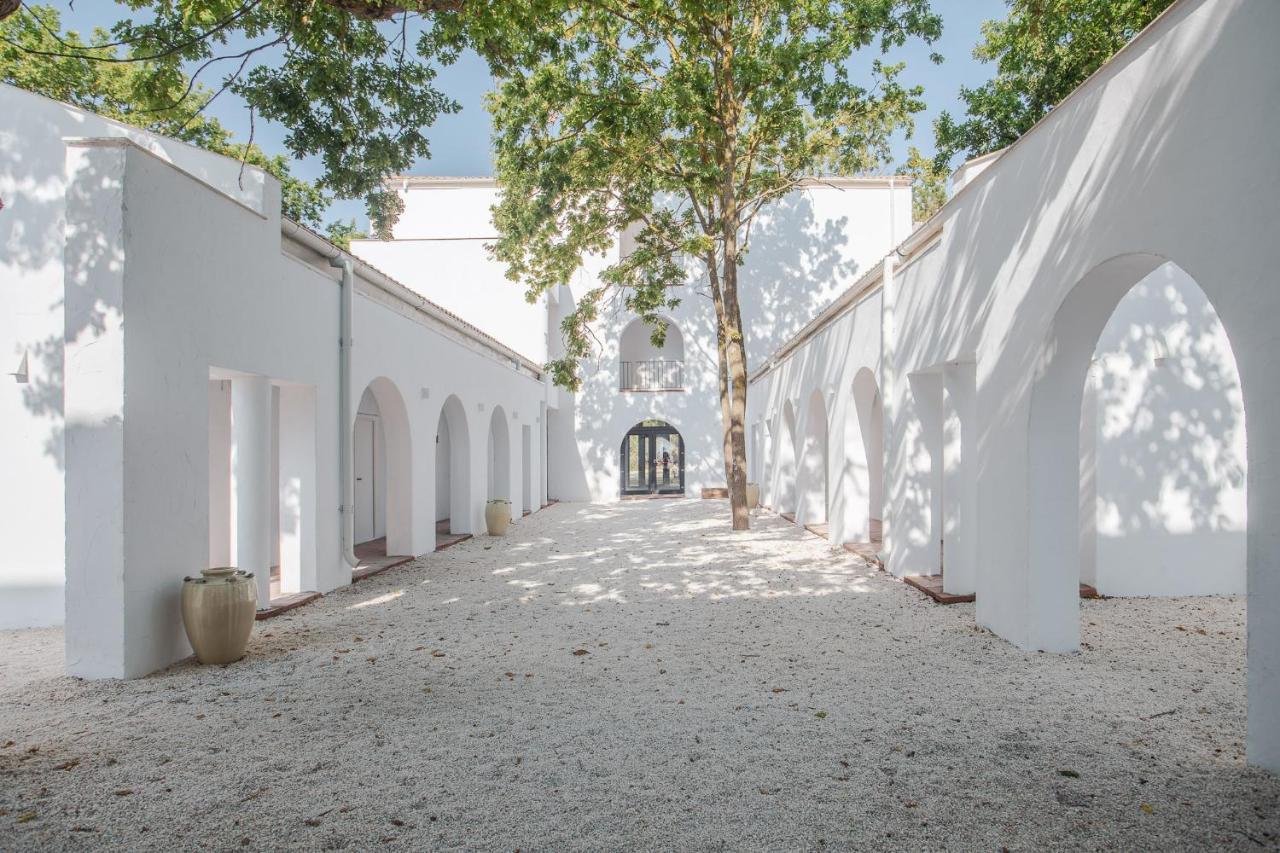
point(382, 462)
point(453, 471)
point(652, 460)
point(811, 472)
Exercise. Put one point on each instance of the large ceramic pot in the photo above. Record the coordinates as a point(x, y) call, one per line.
point(218, 610)
point(753, 495)
point(497, 516)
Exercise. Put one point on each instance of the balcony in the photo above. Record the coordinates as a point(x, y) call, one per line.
point(644, 366)
point(651, 375)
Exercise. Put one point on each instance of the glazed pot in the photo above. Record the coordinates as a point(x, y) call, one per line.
point(218, 610)
point(753, 495)
point(497, 516)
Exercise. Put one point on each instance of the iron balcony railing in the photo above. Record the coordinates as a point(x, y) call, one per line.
point(654, 375)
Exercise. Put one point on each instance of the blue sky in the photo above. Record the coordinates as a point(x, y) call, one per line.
point(460, 142)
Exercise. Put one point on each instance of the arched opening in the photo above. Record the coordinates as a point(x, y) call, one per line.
point(863, 473)
point(453, 471)
point(1133, 469)
point(526, 469)
point(652, 460)
point(382, 465)
point(785, 470)
point(811, 474)
point(646, 366)
point(926, 466)
point(498, 454)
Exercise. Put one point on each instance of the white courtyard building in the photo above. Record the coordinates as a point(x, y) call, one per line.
point(646, 421)
point(1046, 384)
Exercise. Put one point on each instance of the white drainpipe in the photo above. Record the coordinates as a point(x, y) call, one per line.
point(348, 508)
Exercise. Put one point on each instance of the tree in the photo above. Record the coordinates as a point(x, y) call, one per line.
point(928, 184)
point(1043, 51)
point(123, 91)
point(340, 75)
point(342, 233)
point(680, 120)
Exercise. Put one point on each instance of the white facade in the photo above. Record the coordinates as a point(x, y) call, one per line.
point(196, 420)
point(1046, 383)
point(804, 250)
point(1130, 230)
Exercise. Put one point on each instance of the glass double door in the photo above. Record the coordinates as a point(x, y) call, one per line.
point(652, 461)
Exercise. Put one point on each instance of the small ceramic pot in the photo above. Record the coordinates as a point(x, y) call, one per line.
point(753, 495)
point(497, 516)
point(218, 610)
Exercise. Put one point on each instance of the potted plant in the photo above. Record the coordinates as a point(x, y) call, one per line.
point(497, 516)
point(218, 609)
point(753, 495)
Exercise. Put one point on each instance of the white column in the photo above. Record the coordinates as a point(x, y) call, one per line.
point(891, 480)
point(297, 485)
point(219, 473)
point(251, 486)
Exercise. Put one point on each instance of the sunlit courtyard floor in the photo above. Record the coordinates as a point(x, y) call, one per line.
point(636, 676)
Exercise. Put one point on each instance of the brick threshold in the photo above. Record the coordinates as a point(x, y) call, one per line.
point(448, 540)
point(931, 585)
point(284, 603)
point(361, 572)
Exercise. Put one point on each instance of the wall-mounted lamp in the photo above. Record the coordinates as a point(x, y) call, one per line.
point(1159, 351)
point(426, 393)
point(480, 406)
point(22, 375)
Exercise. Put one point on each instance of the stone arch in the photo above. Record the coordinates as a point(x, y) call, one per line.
point(498, 457)
point(453, 467)
point(384, 507)
point(1054, 482)
point(812, 464)
point(862, 474)
point(784, 474)
point(645, 367)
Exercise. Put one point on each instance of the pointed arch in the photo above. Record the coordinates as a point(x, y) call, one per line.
point(453, 467)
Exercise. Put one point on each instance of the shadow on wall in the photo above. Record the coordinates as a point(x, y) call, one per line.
point(1131, 165)
point(33, 234)
point(796, 263)
point(1163, 447)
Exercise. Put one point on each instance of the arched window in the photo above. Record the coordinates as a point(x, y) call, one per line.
point(652, 460)
point(645, 367)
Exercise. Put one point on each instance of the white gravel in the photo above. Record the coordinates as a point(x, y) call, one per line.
point(739, 691)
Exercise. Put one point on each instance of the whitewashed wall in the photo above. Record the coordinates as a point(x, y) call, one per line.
point(1165, 448)
point(32, 189)
point(805, 249)
point(992, 311)
point(133, 271)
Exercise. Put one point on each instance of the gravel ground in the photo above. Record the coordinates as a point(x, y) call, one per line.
point(636, 676)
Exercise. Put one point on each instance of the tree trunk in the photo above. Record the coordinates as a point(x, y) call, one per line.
point(735, 360)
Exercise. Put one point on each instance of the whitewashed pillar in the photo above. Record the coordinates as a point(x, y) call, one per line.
point(251, 487)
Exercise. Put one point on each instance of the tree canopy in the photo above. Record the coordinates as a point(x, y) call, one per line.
point(1042, 51)
point(676, 122)
point(350, 80)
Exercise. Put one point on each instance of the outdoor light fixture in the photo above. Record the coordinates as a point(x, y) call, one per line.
point(1161, 351)
point(21, 375)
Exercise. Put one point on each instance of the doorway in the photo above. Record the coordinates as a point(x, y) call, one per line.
point(365, 459)
point(652, 460)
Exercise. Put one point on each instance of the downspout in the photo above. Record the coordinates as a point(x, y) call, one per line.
point(347, 510)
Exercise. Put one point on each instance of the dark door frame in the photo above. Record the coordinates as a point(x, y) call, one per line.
point(652, 485)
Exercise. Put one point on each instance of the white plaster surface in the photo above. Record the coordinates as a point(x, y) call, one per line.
point(751, 691)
